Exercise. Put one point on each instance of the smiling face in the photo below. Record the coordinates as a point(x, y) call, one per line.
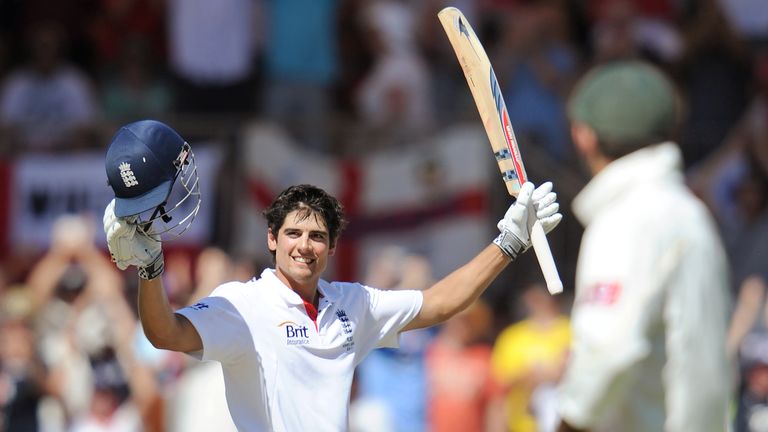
point(301, 247)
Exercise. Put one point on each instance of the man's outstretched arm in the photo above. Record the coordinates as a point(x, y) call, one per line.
point(459, 289)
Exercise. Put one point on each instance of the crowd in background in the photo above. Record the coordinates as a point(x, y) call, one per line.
point(345, 77)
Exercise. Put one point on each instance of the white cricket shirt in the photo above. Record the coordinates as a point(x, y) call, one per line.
point(282, 370)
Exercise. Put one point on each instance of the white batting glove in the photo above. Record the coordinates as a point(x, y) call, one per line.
point(131, 245)
point(531, 205)
point(547, 207)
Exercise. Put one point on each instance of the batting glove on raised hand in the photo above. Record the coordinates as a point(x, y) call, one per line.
point(133, 245)
point(531, 205)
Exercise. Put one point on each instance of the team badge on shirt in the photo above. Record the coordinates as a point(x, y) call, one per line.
point(346, 327)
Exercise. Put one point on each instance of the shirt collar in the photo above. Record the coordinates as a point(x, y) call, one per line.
point(637, 169)
point(327, 290)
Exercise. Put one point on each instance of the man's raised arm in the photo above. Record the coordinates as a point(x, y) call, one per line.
point(459, 289)
point(132, 245)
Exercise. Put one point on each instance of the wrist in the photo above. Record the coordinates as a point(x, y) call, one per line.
point(509, 244)
point(153, 269)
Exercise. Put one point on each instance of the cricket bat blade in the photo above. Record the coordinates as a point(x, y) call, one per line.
point(487, 95)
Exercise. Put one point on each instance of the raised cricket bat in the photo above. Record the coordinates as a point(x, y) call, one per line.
point(493, 112)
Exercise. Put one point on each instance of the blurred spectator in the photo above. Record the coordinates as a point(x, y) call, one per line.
point(748, 338)
point(108, 410)
point(396, 378)
point(47, 104)
point(355, 54)
point(624, 29)
point(23, 378)
point(536, 67)
point(748, 235)
point(212, 50)
point(122, 22)
point(749, 314)
point(462, 394)
point(713, 53)
point(530, 355)
point(612, 34)
point(394, 98)
point(135, 91)
point(301, 68)
point(752, 413)
point(85, 329)
point(733, 182)
point(451, 99)
point(73, 17)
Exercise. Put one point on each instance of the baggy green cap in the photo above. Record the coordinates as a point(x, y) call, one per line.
point(625, 102)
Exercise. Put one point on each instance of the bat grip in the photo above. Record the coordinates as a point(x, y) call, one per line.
point(546, 262)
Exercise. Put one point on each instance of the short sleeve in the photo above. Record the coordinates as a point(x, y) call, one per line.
point(391, 311)
point(221, 327)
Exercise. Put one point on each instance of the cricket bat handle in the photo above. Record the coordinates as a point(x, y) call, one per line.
point(546, 261)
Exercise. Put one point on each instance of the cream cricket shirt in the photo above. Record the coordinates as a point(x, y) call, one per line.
point(651, 308)
point(282, 370)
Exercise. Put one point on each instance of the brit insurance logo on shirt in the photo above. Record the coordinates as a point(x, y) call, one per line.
point(295, 334)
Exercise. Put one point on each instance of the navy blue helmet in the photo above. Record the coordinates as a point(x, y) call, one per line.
point(152, 172)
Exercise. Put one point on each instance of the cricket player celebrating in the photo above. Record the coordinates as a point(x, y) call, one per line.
point(288, 341)
point(649, 315)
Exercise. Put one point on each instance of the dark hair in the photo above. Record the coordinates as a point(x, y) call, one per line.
point(312, 200)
